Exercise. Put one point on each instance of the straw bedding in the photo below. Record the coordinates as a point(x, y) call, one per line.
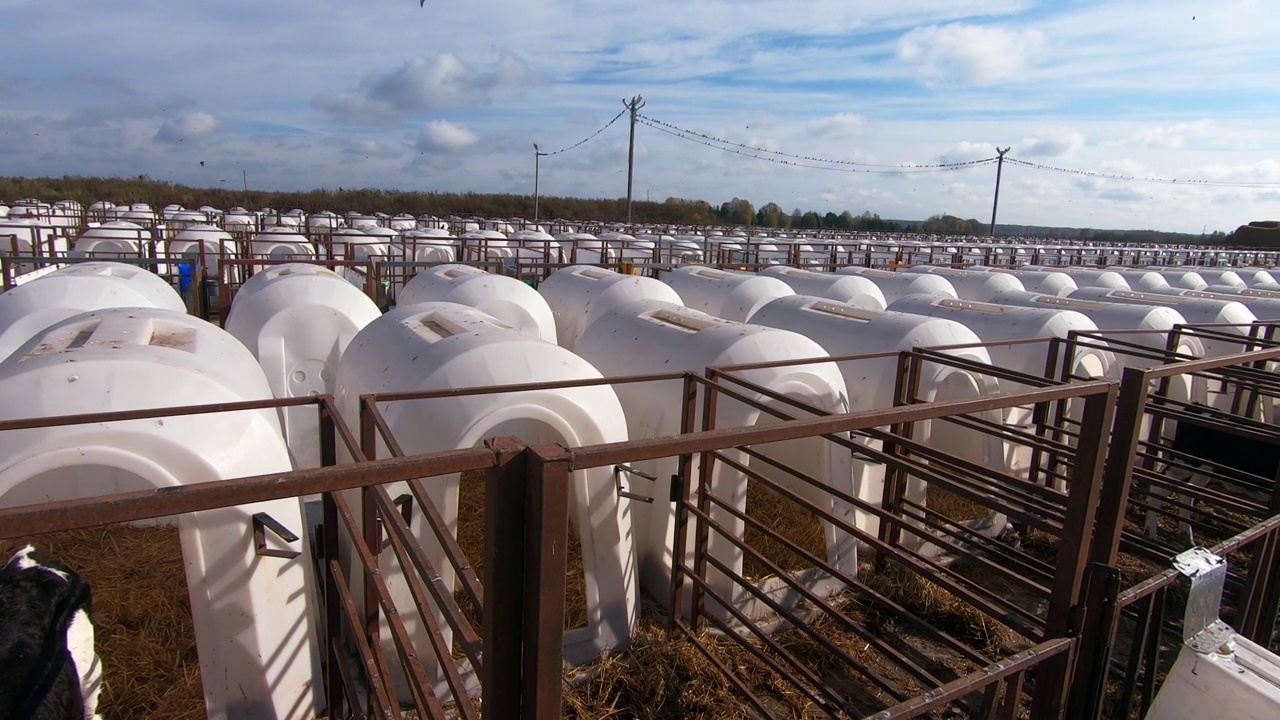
point(141, 617)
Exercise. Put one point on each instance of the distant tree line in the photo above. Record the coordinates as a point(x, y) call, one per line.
point(675, 211)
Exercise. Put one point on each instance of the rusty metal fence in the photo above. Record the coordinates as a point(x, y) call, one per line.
point(1075, 633)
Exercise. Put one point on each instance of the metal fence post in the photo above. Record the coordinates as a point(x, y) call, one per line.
point(1065, 600)
point(504, 572)
point(546, 554)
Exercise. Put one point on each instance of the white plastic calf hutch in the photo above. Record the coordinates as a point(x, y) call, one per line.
point(297, 320)
point(25, 238)
point(1194, 309)
point(725, 294)
point(651, 336)
point(896, 285)
point(1152, 322)
point(1155, 322)
point(429, 246)
point(1046, 282)
point(999, 324)
point(1181, 277)
point(859, 291)
point(505, 298)
point(1086, 277)
point(113, 239)
point(843, 329)
point(1265, 308)
point(30, 308)
point(1141, 280)
point(579, 294)
point(970, 284)
point(1218, 673)
point(193, 242)
point(280, 243)
point(443, 346)
point(1223, 276)
point(253, 617)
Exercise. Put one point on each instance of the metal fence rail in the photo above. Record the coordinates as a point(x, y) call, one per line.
point(1078, 636)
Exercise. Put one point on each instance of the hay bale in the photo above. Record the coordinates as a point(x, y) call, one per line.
point(141, 616)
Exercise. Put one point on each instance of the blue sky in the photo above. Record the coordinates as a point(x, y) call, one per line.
point(298, 94)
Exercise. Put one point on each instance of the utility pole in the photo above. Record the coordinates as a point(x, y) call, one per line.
point(537, 155)
point(636, 103)
point(996, 202)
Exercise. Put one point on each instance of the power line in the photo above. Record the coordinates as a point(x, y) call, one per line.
point(753, 152)
point(1135, 178)
point(591, 136)
point(668, 127)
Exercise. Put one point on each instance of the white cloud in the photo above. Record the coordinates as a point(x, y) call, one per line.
point(1170, 136)
point(965, 151)
point(972, 54)
point(442, 136)
point(840, 125)
point(189, 127)
point(1055, 146)
point(423, 85)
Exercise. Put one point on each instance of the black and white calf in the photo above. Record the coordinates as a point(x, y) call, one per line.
point(48, 667)
point(1203, 446)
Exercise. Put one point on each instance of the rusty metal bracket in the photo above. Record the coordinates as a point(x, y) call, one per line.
point(262, 522)
point(618, 470)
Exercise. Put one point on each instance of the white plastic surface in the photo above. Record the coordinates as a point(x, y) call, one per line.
point(1114, 316)
point(280, 243)
point(853, 289)
point(725, 294)
point(1086, 277)
point(580, 293)
point(970, 284)
point(843, 329)
point(440, 346)
point(112, 239)
point(1265, 308)
point(1047, 282)
point(649, 336)
point(999, 324)
point(27, 237)
point(253, 616)
point(297, 320)
point(1257, 276)
point(1002, 323)
point(1194, 309)
point(1240, 681)
point(1181, 278)
point(1142, 280)
point(505, 298)
point(30, 308)
point(216, 243)
point(1223, 276)
point(897, 285)
point(429, 245)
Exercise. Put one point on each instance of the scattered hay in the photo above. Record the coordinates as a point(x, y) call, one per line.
point(945, 611)
point(141, 617)
point(793, 522)
point(954, 506)
point(661, 675)
point(471, 495)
